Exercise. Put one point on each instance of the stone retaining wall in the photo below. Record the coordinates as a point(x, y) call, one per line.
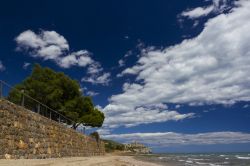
point(24, 134)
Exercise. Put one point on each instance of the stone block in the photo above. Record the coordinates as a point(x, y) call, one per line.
point(22, 145)
point(8, 156)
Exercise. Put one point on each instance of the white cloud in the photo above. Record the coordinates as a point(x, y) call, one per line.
point(211, 68)
point(196, 23)
point(92, 93)
point(53, 38)
point(1, 66)
point(140, 115)
point(129, 53)
point(218, 6)
point(195, 71)
point(80, 58)
point(133, 70)
point(103, 79)
point(129, 114)
point(177, 106)
point(50, 52)
point(94, 68)
point(166, 139)
point(26, 65)
point(103, 131)
point(126, 37)
point(246, 106)
point(121, 62)
point(198, 12)
point(46, 44)
point(49, 45)
point(28, 39)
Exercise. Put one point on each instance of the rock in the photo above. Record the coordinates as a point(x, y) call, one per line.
point(137, 148)
point(7, 156)
point(22, 145)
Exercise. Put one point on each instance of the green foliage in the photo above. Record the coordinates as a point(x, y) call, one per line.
point(111, 146)
point(59, 92)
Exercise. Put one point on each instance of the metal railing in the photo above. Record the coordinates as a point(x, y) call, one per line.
point(19, 97)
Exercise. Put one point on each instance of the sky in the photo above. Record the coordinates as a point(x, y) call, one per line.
point(173, 74)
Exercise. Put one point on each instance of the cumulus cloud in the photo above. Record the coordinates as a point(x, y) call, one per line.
point(49, 45)
point(46, 44)
point(131, 112)
point(140, 115)
point(1, 66)
point(80, 58)
point(166, 139)
point(195, 71)
point(218, 6)
point(26, 65)
point(212, 68)
point(103, 79)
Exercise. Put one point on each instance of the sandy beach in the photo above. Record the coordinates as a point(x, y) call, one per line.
point(107, 160)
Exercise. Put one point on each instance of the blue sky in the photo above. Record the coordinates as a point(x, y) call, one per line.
point(171, 74)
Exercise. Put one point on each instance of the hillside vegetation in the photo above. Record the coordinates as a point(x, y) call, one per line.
point(111, 146)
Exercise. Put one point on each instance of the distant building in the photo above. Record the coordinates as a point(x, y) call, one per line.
point(137, 148)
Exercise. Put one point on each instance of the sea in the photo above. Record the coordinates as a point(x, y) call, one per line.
point(199, 159)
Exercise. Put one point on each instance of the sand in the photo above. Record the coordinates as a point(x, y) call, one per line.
point(107, 160)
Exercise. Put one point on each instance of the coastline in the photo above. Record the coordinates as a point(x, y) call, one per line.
point(106, 160)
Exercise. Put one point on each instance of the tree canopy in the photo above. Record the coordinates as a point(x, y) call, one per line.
point(61, 93)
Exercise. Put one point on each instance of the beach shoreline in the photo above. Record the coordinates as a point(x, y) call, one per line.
point(106, 160)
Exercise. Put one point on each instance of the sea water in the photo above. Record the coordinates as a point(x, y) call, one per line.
point(199, 159)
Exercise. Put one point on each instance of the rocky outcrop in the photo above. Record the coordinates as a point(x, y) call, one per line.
point(137, 148)
point(25, 134)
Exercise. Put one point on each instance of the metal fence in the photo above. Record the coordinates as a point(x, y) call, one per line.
point(21, 98)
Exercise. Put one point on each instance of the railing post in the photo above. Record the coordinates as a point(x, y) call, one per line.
point(46, 112)
point(1, 89)
point(59, 118)
point(38, 108)
point(50, 114)
point(22, 100)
